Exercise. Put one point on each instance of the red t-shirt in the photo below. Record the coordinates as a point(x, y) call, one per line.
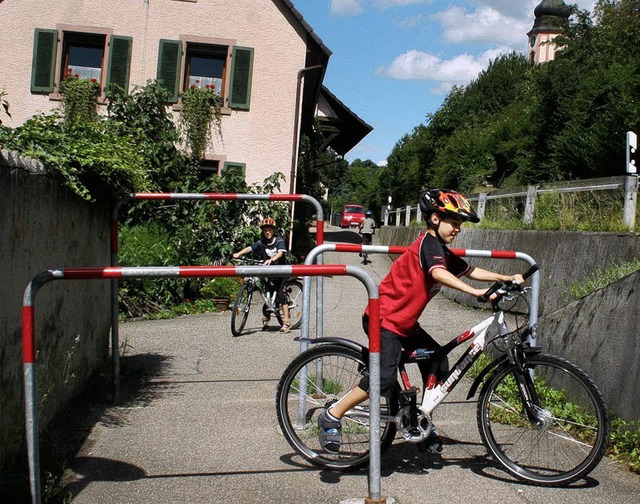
point(409, 286)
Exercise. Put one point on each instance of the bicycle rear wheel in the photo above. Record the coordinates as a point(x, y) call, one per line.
point(241, 308)
point(570, 434)
point(314, 379)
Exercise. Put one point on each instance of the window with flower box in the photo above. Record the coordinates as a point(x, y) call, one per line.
point(94, 54)
point(202, 62)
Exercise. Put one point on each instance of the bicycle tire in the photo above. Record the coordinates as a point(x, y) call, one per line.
point(574, 433)
point(298, 413)
point(241, 307)
point(293, 297)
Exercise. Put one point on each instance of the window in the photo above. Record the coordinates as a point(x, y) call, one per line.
point(202, 62)
point(208, 168)
point(101, 56)
point(83, 55)
point(239, 168)
point(214, 167)
point(205, 66)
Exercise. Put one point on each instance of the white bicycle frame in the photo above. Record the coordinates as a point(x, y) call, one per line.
point(433, 397)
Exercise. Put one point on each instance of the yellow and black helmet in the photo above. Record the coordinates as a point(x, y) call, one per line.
point(267, 222)
point(447, 202)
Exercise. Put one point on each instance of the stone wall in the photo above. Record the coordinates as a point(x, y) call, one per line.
point(44, 226)
point(599, 332)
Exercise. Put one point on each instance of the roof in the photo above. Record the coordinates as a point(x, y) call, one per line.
point(551, 16)
point(340, 126)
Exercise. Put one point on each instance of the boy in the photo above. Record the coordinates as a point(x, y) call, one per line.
point(367, 228)
point(414, 278)
point(272, 250)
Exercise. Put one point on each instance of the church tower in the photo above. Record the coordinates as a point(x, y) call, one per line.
point(552, 17)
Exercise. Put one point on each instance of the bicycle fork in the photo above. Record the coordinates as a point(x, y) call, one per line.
point(524, 377)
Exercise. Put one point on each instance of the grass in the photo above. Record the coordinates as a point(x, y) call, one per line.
point(601, 278)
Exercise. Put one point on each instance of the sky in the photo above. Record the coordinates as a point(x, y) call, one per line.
point(394, 61)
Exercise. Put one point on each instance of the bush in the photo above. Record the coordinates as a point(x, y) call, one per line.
point(221, 287)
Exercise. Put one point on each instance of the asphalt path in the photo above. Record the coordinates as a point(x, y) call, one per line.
point(197, 421)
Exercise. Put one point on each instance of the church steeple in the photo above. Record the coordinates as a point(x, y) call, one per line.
point(552, 18)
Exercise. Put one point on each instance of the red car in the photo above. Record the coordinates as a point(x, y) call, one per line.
point(352, 215)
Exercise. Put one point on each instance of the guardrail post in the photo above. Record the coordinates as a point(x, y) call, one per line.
point(529, 208)
point(630, 201)
point(482, 202)
point(407, 218)
point(397, 216)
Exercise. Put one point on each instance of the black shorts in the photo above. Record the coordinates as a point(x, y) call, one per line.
point(391, 348)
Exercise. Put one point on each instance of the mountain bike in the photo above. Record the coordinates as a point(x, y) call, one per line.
point(540, 417)
point(268, 291)
point(366, 240)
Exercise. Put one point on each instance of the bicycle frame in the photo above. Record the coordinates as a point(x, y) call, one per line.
point(434, 393)
point(258, 285)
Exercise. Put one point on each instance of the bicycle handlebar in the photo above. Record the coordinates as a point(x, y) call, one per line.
point(245, 260)
point(508, 286)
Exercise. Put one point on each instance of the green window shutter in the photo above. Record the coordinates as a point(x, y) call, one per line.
point(241, 70)
point(239, 168)
point(119, 62)
point(45, 44)
point(169, 61)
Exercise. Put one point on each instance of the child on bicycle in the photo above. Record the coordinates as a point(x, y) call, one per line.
point(414, 278)
point(272, 250)
point(367, 228)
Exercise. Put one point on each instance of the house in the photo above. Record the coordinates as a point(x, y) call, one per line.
point(265, 61)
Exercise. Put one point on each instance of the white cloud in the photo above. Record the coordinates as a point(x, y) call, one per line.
point(420, 65)
point(485, 25)
point(345, 7)
point(385, 4)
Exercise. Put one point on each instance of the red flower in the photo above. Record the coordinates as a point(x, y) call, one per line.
point(94, 80)
point(197, 81)
point(77, 76)
point(69, 71)
point(193, 86)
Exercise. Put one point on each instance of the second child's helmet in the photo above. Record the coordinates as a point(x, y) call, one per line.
point(267, 222)
point(447, 203)
point(368, 213)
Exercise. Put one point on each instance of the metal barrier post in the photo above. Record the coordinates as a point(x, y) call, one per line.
point(111, 273)
point(115, 354)
point(391, 249)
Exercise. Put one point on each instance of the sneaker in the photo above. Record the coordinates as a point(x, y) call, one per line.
point(329, 435)
point(432, 444)
point(265, 323)
point(285, 328)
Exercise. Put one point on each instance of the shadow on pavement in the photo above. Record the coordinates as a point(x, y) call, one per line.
point(343, 236)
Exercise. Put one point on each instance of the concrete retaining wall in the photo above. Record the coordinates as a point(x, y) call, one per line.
point(44, 226)
point(600, 332)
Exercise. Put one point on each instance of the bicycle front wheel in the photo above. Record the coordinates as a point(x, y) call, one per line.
point(315, 379)
point(568, 437)
point(241, 308)
point(293, 298)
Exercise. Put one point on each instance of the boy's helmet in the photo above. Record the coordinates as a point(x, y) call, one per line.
point(447, 202)
point(368, 213)
point(267, 222)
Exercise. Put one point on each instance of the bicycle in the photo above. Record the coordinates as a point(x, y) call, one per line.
point(541, 418)
point(242, 304)
point(366, 240)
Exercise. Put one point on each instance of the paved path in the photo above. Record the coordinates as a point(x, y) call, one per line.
point(197, 423)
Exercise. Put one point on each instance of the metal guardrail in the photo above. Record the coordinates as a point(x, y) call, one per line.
point(403, 216)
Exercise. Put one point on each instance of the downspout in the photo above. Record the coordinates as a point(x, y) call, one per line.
point(296, 139)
